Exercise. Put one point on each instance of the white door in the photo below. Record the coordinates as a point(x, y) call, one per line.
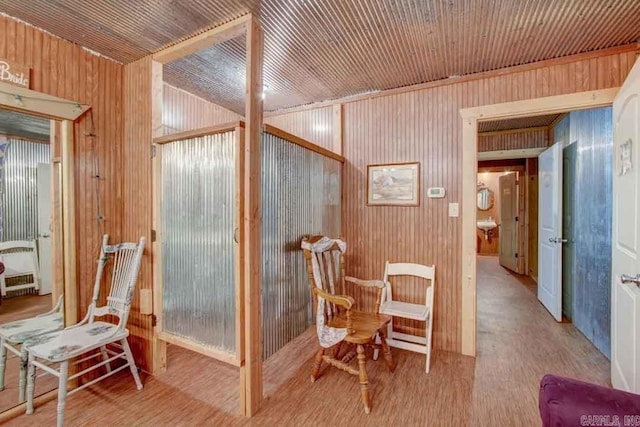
point(625, 294)
point(45, 218)
point(508, 189)
point(550, 230)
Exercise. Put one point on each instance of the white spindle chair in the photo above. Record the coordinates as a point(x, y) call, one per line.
point(407, 310)
point(88, 335)
point(19, 263)
point(13, 334)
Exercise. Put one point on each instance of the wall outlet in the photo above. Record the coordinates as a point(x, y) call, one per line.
point(454, 210)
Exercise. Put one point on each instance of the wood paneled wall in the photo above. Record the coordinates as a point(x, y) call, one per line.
point(315, 125)
point(512, 140)
point(183, 111)
point(66, 70)
point(424, 125)
point(137, 194)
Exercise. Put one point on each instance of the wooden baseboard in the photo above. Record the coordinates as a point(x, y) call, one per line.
point(21, 409)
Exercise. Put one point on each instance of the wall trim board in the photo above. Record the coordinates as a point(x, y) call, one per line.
point(470, 118)
point(500, 165)
point(40, 104)
point(632, 47)
point(210, 130)
point(26, 138)
point(514, 131)
point(302, 142)
point(20, 409)
point(510, 154)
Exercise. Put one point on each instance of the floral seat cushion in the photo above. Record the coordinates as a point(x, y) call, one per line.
point(71, 342)
point(20, 331)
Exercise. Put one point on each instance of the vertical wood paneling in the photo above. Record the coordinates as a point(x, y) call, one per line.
point(183, 111)
point(315, 125)
point(425, 126)
point(512, 141)
point(137, 194)
point(66, 70)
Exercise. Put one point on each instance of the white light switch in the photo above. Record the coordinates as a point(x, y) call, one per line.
point(454, 210)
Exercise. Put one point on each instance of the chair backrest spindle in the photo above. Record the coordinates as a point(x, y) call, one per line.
point(126, 266)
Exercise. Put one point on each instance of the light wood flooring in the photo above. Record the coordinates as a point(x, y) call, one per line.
point(518, 342)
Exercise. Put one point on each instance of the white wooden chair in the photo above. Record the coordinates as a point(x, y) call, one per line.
point(408, 310)
point(88, 335)
point(13, 334)
point(19, 263)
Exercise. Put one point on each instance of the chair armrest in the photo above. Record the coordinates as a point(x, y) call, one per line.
point(342, 300)
point(366, 283)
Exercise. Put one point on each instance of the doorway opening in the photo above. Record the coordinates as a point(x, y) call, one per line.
point(470, 119)
point(537, 217)
point(544, 221)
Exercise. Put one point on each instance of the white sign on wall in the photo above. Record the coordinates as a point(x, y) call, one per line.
point(15, 74)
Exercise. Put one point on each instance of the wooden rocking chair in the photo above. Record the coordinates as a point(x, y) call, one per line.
point(337, 323)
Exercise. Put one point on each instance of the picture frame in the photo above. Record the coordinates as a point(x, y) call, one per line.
point(393, 184)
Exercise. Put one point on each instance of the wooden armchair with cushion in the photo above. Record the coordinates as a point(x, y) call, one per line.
point(340, 327)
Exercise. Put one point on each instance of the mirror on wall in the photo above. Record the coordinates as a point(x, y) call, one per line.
point(29, 305)
point(485, 199)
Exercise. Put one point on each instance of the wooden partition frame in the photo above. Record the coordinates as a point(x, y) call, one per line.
point(250, 338)
point(470, 119)
point(236, 359)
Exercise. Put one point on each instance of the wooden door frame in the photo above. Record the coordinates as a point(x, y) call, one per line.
point(522, 209)
point(470, 118)
point(249, 346)
point(64, 112)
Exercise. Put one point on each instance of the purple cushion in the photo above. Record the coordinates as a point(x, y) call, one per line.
point(565, 402)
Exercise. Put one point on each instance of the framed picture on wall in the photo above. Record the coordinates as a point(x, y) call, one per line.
point(393, 184)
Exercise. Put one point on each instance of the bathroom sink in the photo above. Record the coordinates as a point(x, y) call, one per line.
point(486, 225)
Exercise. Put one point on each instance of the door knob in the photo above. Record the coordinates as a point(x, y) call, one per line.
point(631, 279)
point(557, 240)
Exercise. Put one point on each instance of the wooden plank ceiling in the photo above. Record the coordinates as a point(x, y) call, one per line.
point(519, 123)
point(325, 49)
point(14, 123)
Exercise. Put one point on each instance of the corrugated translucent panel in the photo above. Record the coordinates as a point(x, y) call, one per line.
point(197, 211)
point(20, 190)
point(300, 196)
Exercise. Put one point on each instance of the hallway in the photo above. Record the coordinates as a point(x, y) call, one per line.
point(518, 343)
